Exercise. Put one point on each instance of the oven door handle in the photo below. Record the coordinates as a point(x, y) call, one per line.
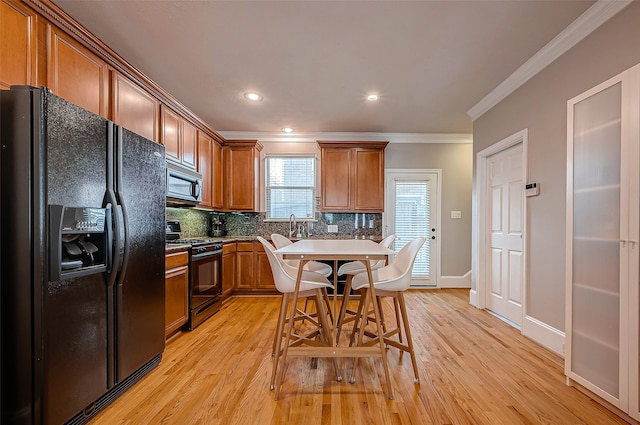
point(206, 255)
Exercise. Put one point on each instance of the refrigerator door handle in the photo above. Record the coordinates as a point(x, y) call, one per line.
point(109, 231)
point(116, 238)
point(122, 215)
point(121, 202)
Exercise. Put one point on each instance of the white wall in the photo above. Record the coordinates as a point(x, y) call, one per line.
point(540, 106)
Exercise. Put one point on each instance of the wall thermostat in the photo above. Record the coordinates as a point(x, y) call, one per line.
point(532, 189)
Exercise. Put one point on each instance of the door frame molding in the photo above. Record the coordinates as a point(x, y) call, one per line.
point(385, 216)
point(478, 293)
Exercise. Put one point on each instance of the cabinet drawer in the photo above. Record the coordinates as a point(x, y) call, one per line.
point(228, 248)
point(245, 246)
point(176, 260)
point(176, 312)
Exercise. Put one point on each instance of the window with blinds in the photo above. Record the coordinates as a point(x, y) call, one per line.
point(412, 220)
point(290, 186)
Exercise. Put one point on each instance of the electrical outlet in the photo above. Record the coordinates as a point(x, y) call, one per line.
point(456, 214)
point(332, 228)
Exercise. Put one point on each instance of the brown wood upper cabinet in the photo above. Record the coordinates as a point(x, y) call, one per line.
point(241, 166)
point(205, 159)
point(76, 74)
point(179, 138)
point(134, 108)
point(352, 176)
point(210, 166)
point(18, 44)
point(217, 176)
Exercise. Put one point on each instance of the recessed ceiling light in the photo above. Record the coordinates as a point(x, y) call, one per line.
point(372, 97)
point(288, 130)
point(253, 96)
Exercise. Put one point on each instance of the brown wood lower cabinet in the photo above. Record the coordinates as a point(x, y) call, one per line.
point(253, 269)
point(176, 292)
point(228, 269)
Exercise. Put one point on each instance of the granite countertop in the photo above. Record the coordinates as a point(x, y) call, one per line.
point(231, 239)
point(268, 237)
point(170, 248)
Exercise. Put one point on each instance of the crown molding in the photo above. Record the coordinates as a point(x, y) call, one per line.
point(55, 15)
point(584, 25)
point(313, 137)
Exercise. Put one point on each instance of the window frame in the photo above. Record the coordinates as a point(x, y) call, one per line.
point(267, 187)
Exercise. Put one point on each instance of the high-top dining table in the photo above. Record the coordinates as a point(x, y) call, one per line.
point(364, 250)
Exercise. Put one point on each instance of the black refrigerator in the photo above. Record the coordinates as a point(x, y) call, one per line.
point(82, 228)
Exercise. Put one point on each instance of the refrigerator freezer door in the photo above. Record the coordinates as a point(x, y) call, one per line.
point(141, 191)
point(75, 310)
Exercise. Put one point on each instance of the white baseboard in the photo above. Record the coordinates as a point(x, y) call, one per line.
point(544, 334)
point(473, 298)
point(455, 281)
point(538, 331)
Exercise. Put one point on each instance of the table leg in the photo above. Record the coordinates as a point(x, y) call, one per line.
point(371, 295)
point(327, 334)
point(361, 321)
point(335, 293)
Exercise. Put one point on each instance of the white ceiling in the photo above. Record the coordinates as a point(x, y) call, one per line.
point(315, 61)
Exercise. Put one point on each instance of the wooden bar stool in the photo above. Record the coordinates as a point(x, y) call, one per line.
point(388, 281)
point(312, 266)
point(351, 269)
point(311, 286)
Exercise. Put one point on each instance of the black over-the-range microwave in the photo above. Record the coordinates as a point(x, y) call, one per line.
point(184, 186)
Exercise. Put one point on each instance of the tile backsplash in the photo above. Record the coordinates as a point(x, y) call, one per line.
point(197, 223)
point(193, 222)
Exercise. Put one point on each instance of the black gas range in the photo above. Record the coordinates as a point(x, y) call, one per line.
point(199, 245)
point(205, 274)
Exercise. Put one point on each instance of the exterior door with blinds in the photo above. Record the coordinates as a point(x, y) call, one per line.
point(411, 211)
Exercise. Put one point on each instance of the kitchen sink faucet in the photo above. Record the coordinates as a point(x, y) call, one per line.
point(293, 225)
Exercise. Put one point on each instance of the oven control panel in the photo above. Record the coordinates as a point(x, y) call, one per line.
point(213, 248)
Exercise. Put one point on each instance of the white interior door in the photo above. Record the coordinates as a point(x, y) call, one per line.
point(504, 257)
point(411, 211)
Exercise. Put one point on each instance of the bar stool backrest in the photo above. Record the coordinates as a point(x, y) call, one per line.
point(282, 272)
point(397, 275)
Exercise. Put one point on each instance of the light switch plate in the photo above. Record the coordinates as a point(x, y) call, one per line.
point(456, 214)
point(332, 228)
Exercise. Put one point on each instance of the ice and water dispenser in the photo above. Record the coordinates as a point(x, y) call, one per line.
point(79, 241)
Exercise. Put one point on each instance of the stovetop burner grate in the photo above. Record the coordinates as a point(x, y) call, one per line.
point(194, 240)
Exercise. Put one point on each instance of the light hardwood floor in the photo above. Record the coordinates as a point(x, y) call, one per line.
point(474, 369)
